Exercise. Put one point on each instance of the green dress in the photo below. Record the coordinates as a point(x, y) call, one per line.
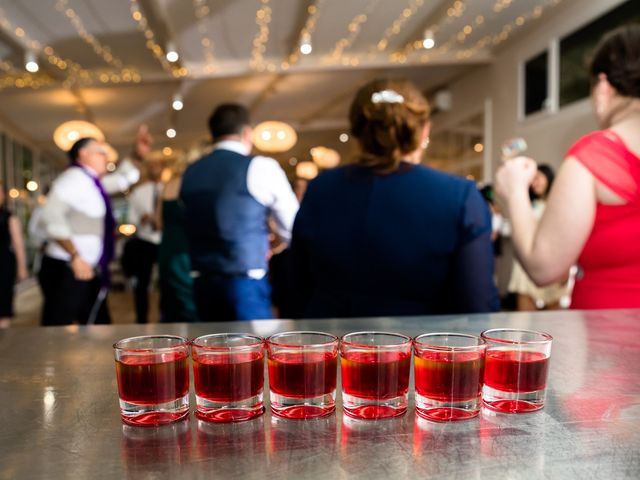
point(176, 284)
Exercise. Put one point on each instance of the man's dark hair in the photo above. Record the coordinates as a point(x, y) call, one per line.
point(74, 151)
point(228, 119)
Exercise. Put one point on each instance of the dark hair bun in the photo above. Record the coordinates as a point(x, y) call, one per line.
point(387, 117)
point(618, 57)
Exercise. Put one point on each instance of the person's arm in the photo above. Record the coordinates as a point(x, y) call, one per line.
point(268, 184)
point(473, 289)
point(128, 172)
point(17, 243)
point(171, 191)
point(548, 248)
point(126, 175)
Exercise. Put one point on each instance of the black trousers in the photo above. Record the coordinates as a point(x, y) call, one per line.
point(146, 255)
point(67, 300)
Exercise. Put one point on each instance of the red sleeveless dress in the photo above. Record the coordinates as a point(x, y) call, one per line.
point(609, 275)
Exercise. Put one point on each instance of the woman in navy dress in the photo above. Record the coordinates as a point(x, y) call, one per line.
point(386, 235)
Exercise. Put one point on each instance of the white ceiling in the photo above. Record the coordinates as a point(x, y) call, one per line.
point(313, 93)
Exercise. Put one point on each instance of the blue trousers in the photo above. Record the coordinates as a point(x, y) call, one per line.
point(221, 298)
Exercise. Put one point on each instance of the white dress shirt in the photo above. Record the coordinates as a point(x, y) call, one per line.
point(75, 210)
point(143, 201)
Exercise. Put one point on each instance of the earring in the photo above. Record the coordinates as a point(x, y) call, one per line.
point(425, 143)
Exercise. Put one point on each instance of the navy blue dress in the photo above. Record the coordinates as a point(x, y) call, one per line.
point(413, 242)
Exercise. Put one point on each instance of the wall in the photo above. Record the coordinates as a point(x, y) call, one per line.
point(548, 134)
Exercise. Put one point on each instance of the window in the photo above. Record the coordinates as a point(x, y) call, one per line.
point(536, 89)
point(576, 48)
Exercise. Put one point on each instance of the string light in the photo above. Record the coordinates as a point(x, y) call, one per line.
point(74, 72)
point(455, 10)
point(509, 28)
point(171, 132)
point(354, 28)
point(172, 54)
point(398, 23)
point(30, 62)
point(263, 19)
point(99, 48)
point(177, 103)
point(313, 12)
point(151, 44)
point(428, 42)
point(202, 12)
point(305, 44)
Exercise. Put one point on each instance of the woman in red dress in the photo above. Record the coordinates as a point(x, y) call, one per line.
point(593, 211)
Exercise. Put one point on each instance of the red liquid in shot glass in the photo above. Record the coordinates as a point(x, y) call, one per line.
point(228, 377)
point(516, 371)
point(303, 374)
point(153, 379)
point(375, 375)
point(449, 377)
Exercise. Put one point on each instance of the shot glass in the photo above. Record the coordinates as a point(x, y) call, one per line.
point(228, 373)
point(375, 374)
point(516, 367)
point(449, 370)
point(153, 379)
point(302, 374)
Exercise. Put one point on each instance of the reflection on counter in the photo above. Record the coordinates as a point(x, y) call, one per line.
point(365, 441)
point(312, 439)
point(227, 445)
point(154, 450)
point(433, 443)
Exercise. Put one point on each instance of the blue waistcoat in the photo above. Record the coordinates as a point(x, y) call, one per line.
point(226, 226)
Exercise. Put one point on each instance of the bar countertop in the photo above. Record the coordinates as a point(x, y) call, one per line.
point(59, 412)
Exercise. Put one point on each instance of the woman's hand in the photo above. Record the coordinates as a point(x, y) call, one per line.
point(514, 176)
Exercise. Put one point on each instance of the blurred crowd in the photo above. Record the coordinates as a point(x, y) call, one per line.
point(382, 235)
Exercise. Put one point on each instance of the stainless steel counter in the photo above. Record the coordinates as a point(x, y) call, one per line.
point(59, 413)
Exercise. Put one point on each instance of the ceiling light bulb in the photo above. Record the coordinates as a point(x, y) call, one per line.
point(429, 41)
point(306, 48)
point(177, 102)
point(305, 45)
point(172, 54)
point(30, 62)
point(171, 132)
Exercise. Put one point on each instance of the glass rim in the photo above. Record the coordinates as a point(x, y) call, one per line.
point(184, 342)
point(376, 332)
point(270, 340)
point(449, 348)
point(259, 341)
point(486, 335)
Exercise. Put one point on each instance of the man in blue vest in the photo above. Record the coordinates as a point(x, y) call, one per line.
point(228, 197)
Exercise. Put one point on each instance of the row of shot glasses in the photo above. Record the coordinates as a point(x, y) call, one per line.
point(454, 374)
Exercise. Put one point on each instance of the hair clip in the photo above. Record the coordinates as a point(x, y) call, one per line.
point(387, 96)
